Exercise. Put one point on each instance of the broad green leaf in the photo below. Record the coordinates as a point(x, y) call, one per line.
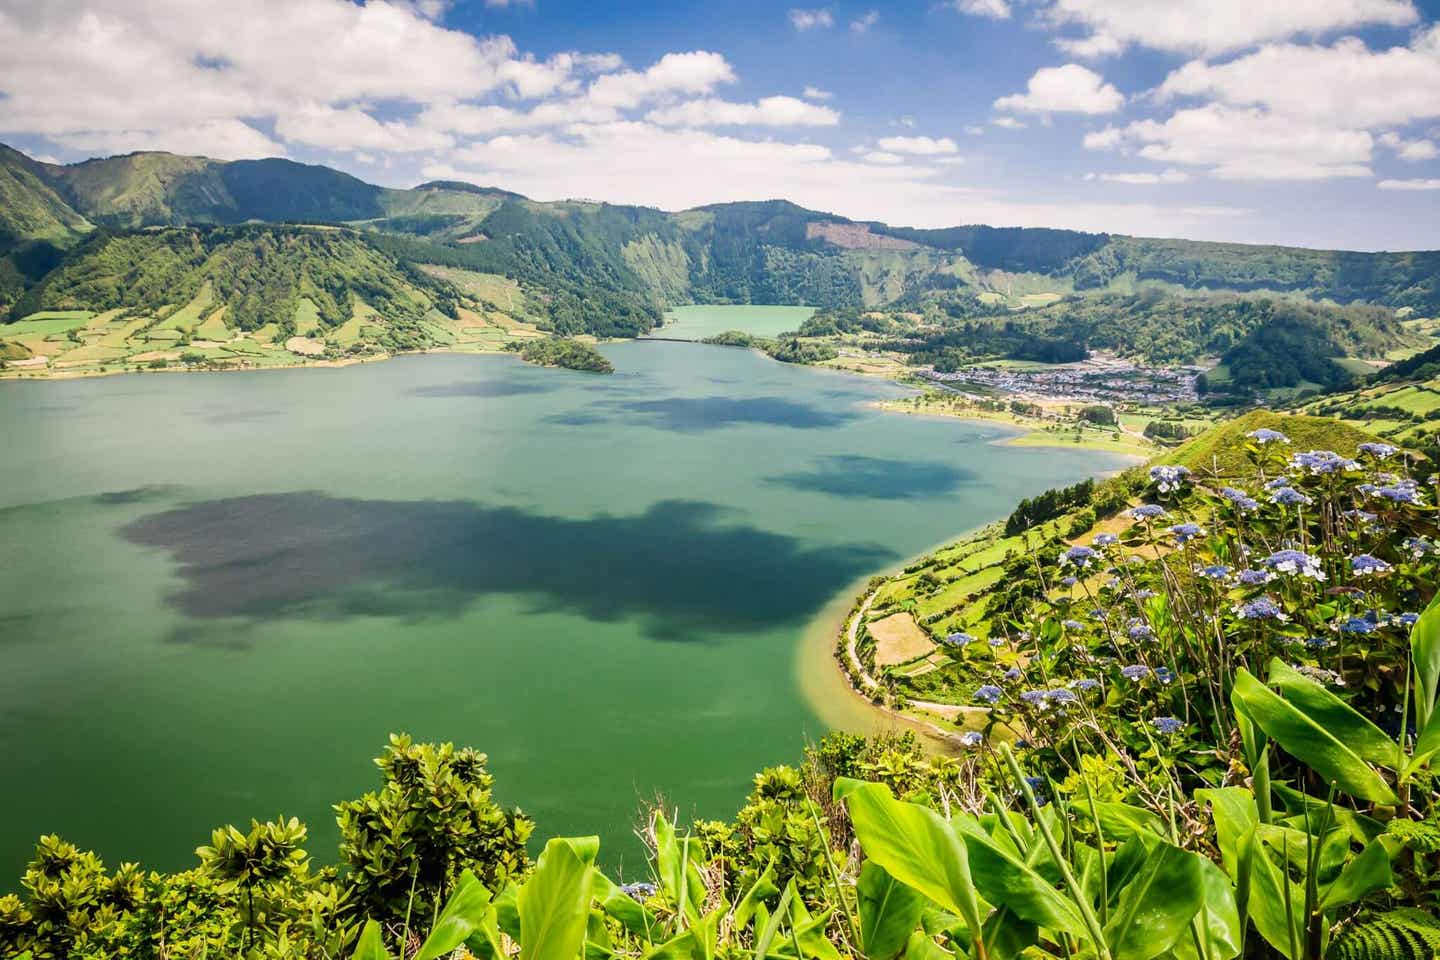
point(677, 866)
point(620, 905)
point(1309, 742)
point(1368, 871)
point(465, 913)
point(1425, 653)
point(371, 946)
point(1216, 932)
point(1334, 714)
point(1004, 878)
point(761, 890)
point(1269, 891)
point(772, 925)
point(1120, 821)
point(1156, 902)
point(809, 932)
point(889, 912)
point(507, 911)
point(1007, 936)
point(554, 903)
point(914, 844)
point(921, 947)
point(1361, 828)
point(1426, 746)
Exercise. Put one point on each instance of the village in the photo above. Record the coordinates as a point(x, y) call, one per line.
point(1102, 378)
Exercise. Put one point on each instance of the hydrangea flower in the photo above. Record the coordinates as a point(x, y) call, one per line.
point(1381, 451)
point(1072, 625)
point(1078, 556)
point(1289, 497)
point(1322, 462)
point(1167, 725)
point(959, 639)
point(1279, 483)
point(1034, 696)
point(989, 693)
point(1265, 435)
point(1144, 593)
point(1261, 608)
point(1296, 563)
point(1164, 674)
point(1105, 539)
point(1364, 565)
point(1243, 501)
point(1215, 572)
point(639, 891)
point(971, 739)
point(1356, 625)
point(1418, 547)
point(1253, 578)
point(1314, 643)
point(1141, 631)
point(1185, 532)
point(1149, 511)
point(1085, 684)
point(1012, 674)
point(1136, 671)
point(1069, 581)
point(1408, 619)
point(1061, 695)
point(1169, 478)
point(1405, 491)
point(996, 641)
point(1327, 677)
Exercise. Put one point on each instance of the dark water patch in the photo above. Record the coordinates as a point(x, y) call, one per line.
point(678, 567)
point(481, 388)
point(698, 414)
point(577, 418)
point(252, 415)
point(149, 492)
point(876, 478)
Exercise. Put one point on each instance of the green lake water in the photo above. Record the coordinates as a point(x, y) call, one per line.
point(220, 592)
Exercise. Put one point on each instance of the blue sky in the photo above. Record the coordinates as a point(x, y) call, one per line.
point(1313, 122)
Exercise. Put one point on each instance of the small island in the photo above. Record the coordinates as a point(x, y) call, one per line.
point(563, 352)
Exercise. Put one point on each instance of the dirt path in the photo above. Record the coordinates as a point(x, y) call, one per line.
point(867, 680)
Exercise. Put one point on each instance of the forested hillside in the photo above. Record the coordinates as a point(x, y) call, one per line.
point(609, 270)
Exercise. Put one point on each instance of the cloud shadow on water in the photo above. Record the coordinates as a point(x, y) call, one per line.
point(876, 478)
point(481, 388)
point(698, 414)
point(679, 567)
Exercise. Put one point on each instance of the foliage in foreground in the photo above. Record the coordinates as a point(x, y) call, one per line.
point(1210, 735)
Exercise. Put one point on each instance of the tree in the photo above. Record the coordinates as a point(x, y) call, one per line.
point(432, 819)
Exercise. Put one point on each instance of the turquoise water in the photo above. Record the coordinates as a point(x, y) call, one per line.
point(699, 322)
point(220, 592)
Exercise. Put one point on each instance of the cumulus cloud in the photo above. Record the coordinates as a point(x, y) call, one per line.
point(1212, 27)
point(1143, 178)
point(815, 93)
point(863, 23)
point(1409, 184)
point(811, 19)
point(1345, 84)
point(994, 9)
point(1068, 89)
point(319, 125)
point(698, 71)
point(217, 139)
point(1008, 123)
point(1237, 143)
point(767, 111)
point(919, 146)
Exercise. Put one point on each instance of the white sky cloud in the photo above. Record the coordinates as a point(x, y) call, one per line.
point(920, 146)
point(1068, 89)
point(1008, 123)
point(994, 9)
point(1344, 84)
point(1409, 184)
point(1144, 178)
point(815, 93)
point(768, 111)
point(698, 71)
point(865, 21)
point(1214, 26)
point(1238, 143)
point(802, 19)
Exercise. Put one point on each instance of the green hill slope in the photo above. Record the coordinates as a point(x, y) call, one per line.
point(258, 274)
